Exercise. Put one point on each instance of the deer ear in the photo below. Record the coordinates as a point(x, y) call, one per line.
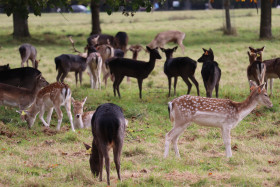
point(87, 146)
point(175, 48)
point(85, 99)
point(162, 49)
point(261, 49)
point(252, 49)
point(248, 53)
point(210, 50)
point(149, 49)
point(204, 49)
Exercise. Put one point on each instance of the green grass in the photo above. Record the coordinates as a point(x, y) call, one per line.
point(42, 157)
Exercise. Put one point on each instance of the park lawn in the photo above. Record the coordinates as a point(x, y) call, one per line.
point(45, 157)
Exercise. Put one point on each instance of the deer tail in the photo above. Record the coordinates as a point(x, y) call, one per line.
point(57, 63)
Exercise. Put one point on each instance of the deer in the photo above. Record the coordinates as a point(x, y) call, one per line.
point(121, 67)
point(5, 67)
point(255, 68)
point(108, 129)
point(19, 97)
point(211, 73)
point(272, 66)
point(81, 118)
point(168, 36)
point(94, 64)
point(50, 97)
point(20, 77)
point(212, 112)
point(28, 52)
point(181, 66)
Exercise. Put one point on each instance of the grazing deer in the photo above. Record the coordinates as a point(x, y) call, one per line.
point(28, 52)
point(108, 129)
point(81, 119)
point(5, 67)
point(181, 66)
point(211, 73)
point(19, 97)
point(212, 112)
point(168, 36)
point(20, 77)
point(255, 69)
point(121, 67)
point(272, 67)
point(50, 97)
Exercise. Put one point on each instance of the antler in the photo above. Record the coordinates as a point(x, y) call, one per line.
point(73, 45)
point(263, 75)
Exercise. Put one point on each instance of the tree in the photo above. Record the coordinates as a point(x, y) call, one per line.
point(265, 27)
point(20, 10)
point(228, 22)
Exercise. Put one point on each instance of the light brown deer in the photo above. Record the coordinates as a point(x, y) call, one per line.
point(168, 36)
point(272, 67)
point(50, 97)
point(81, 119)
point(20, 97)
point(94, 64)
point(212, 112)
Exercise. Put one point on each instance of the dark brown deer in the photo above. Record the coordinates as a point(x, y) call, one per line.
point(121, 67)
point(108, 129)
point(211, 73)
point(256, 69)
point(181, 66)
point(212, 112)
point(272, 67)
point(28, 52)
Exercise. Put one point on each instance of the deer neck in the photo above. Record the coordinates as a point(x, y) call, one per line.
point(135, 55)
point(151, 63)
point(244, 108)
point(33, 110)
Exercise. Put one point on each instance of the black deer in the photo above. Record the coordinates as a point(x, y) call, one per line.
point(5, 67)
point(121, 67)
point(211, 73)
point(108, 129)
point(181, 66)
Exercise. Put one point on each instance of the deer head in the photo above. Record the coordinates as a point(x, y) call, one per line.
point(169, 52)
point(208, 55)
point(260, 94)
point(258, 52)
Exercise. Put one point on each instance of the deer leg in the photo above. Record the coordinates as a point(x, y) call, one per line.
point(195, 83)
point(117, 154)
point(64, 74)
point(118, 86)
point(101, 163)
point(58, 75)
point(41, 117)
point(217, 90)
point(49, 116)
point(169, 86)
point(81, 77)
point(104, 151)
point(140, 81)
point(177, 133)
point(59, 116)
point(115, 85)
point(175, 84)
point(227, 141)
point(67, 106)
point(127, 79)
point(271, 86)
point(180, 43)
point(76, 77)
point(186, 80)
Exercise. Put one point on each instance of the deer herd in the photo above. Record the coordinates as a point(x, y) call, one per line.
point(26, 89)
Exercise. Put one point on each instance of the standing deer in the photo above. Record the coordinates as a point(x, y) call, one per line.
point(168, 36)
point(81, 118)
point(272, 67)
point(28, 52)
point(212, 112)
point(181, 66)
point(94, 64)
point(50, 97)
point(108, 129)
point(121, 67)
point(19, 97)
point(211, 73)
point(255, 69)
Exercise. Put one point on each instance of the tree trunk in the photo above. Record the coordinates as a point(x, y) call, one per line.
point(20, 25)
point(95, 22)
point(228, 23)
point(265, 28)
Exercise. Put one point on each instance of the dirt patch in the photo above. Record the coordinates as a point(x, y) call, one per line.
point(49, 131)
point(5, 132)
point(182, 176)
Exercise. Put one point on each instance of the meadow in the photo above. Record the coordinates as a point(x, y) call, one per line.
point(46, 157)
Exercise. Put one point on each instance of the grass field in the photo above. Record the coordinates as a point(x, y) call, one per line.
point(45, 157)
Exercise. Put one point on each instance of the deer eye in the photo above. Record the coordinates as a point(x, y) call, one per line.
point(265, 95)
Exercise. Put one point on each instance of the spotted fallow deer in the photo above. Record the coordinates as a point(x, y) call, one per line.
point(212, 112)
point(50, 97)
point(81, 119)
